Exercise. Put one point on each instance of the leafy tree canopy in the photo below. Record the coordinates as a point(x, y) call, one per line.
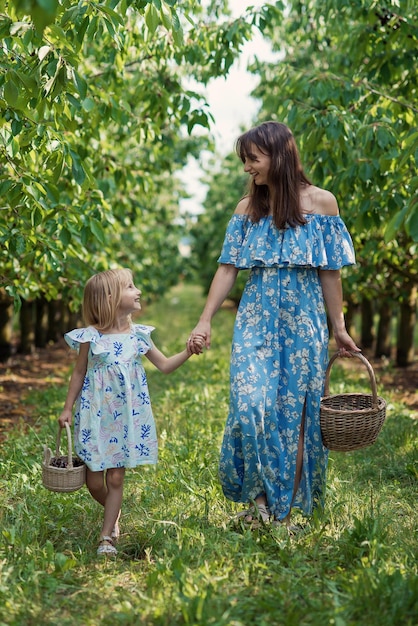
point(347, 87)
point(95, 120)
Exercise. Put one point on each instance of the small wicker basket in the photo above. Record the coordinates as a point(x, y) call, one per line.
point(350, 421)
point(67, 478)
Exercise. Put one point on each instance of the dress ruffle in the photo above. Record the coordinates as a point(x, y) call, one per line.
point(93, 336)
point(323, 242)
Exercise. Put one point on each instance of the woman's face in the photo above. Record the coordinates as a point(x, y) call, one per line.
point(257, 165)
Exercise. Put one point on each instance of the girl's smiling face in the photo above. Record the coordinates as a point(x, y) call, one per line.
point(257, 165)
point(130, 298)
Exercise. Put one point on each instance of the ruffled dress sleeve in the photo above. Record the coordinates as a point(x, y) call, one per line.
point(76, 337)
point(143, 335)
point(323, 242)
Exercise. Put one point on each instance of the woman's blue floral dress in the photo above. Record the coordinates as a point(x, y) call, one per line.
point(113, 421)
point(279, 357)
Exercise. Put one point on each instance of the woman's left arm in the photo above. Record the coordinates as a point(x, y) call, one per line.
point(333, 295)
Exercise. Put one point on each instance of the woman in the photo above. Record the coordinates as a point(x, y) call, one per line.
point(289, 234)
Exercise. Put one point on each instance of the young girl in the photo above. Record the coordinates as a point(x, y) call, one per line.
point(113, 423)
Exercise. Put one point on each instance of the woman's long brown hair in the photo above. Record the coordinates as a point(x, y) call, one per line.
point(286, 174)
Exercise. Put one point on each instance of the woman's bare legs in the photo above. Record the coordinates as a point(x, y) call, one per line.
point(262, 500)
point(299, 464)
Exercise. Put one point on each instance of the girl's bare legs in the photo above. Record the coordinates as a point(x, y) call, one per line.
point(107, 490)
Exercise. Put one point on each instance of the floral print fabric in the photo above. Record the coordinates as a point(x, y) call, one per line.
point(113, 421)
point(278, 361)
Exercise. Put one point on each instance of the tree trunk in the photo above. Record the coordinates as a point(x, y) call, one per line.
point(383, 341)
point(367, 335)
point(41, 326)
point(6, 320)
point(54, 320)
point(27, 327)
point(407, 321)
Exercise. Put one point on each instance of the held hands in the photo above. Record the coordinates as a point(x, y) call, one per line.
point(201, 334)
point(195, 344)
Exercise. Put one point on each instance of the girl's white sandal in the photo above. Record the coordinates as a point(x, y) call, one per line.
point(106, 546)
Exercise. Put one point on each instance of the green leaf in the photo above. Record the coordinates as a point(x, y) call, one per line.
point(411, 224)
point(166, 18)
point(65, 236)
point(77, 169)
point(175, 21)
point(97, 230)
point(5, 24)
point(80, 84)
point(88, 104)
point(178, 36)
point(151, 18)
point(115, 17)
point(42, 17)
point(50, 6)
point(16, 127)
point(36, 217)
point(11, 93)
point(394, 225)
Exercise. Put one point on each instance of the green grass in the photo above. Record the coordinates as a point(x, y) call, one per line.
point(180, 560)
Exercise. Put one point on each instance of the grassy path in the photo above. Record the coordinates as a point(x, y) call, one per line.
point(180, 560)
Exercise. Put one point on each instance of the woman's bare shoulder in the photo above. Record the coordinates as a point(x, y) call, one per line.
point(323, 202)
point(243, 206)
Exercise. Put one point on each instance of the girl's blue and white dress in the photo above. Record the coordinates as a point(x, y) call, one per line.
point(279, 357)
point(113, 421)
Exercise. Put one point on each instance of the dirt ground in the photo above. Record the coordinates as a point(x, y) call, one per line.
point(23, 373)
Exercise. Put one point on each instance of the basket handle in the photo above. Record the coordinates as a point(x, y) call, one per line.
point(369, 369)
point(70, 445)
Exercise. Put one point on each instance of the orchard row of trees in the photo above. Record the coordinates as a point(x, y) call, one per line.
point(347, 86)
point(96, 119)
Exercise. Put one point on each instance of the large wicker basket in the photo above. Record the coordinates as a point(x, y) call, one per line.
point(70, 476)
point(350, 421)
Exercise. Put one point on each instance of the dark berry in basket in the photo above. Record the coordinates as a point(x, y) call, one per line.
point(62, 462)
point(58, 462)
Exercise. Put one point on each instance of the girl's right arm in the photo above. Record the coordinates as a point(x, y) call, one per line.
point(222, 283)
point(76, 384)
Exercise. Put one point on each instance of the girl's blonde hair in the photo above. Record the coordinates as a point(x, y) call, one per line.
point(102, 296)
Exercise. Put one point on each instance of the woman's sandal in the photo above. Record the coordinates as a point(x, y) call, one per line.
point(106, 546)
point(254, 517)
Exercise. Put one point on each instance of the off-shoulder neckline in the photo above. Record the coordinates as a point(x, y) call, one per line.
point(265, 217)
